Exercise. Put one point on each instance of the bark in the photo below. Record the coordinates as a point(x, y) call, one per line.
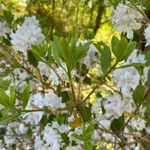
point(100, 12)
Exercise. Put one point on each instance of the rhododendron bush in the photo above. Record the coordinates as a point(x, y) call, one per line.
point(71, 93)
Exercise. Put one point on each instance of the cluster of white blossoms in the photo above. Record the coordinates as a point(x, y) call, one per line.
point(49, 100)
point(53, 118)
point(4, 29)
point(28, 34)
point(50, 138)
point(128, 78)
point(56, 75)
point(19, 129)
point(126, 19)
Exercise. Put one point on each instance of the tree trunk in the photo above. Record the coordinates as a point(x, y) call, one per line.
point(100, 11)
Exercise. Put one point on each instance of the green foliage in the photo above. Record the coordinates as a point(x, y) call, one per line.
point(4, 84)
point(8, 16)
point(138, 94)
point(12, 95)
point(121, 48)
point(65, 49)
point(26, 95)
point(32, 59)
point(131, 65)
point(42, 53)
point(105, 58)
point(8, 118)
point(86, 137)
point(147, 57)
point(117, 124)
point(85, 112)
point(148, 78)
point(5, 100)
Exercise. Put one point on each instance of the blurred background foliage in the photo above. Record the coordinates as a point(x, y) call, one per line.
point(89, 18)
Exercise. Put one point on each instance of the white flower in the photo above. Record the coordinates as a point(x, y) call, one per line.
point(22, 129)
point(96, 106)
point(33, 117)
point(26, 35)
point(52, 138)
point(44, 68)
point(61, 128)
point(9, 140)
point(92, 56)
point(49, 99)
point(126, 19)
point(105, 123)
point(138, 124)
point(114, 106)
point(135, 58)
point(59, 73)
point(108, 136)
point(39, 144)
point(4, 29)
point(147, 35)
point(126, 79)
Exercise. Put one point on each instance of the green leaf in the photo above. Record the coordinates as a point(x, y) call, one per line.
point(40, 52)
point(32, 59)
point(88, 145)
point(26, 95)
point(56, 49)
point(4, 84)
point(12, 96)
point(65, 138)
point(77, 54)
point(117, 124)
point(105, 58)
point(87, 134)
point(8, 118)
point(138, 94)
point(114, 42)
point(65, 49)
point(131, 65)
point(120, 48)
point(8, 16)
point(4, 99)
point(85, 112)
point(148, 78)
point(147, 57)
point(130, 47)
point(79, 137)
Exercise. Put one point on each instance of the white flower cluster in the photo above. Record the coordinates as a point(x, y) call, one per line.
point(29, 33)
point(50, 138)
point(126, 19)
point(128, 78)
point(54, 76)
point(50, 100)
point(19, 129)
point(114, 106)
point(4, 29)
